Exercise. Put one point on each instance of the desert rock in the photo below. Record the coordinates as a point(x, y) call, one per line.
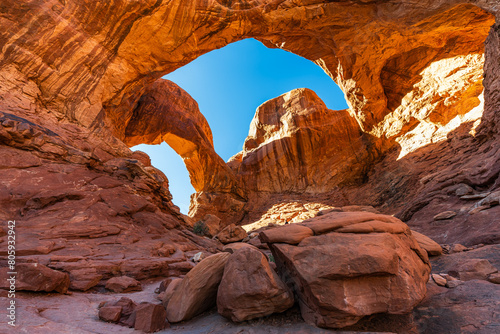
point(36, 277)
point(368, 261)
point(123, 284)
point(430, 246)
point(198, 290)
point(250, 288)
point(231, 234)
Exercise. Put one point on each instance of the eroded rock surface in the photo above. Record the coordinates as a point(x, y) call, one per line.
point(198, 290)
point(250, 288)
point(378, 267)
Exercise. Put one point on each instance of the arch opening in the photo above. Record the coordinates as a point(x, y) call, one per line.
point(228, 85)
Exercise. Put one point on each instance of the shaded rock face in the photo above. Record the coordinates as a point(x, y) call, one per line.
point(250, 288)
point(356, 264)
point(142, 46)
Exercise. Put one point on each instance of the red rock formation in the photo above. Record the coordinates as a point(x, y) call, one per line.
point(76, 201)
point(166, 113)
point(78, 77)
point(296, 144)
point(250, 288)
point(356, 264)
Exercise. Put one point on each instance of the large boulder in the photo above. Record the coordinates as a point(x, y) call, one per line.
point(357, 264)
point(198, 290)
point(36, 277)
point(231, 233)
point(250, 288)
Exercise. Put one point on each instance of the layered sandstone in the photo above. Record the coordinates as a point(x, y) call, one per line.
point(296, 144)
point(77, 78)
point(83, 209)
point(356, 264)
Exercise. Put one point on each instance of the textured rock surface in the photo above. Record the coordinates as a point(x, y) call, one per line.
point(198, 290)
point(430, 246)
point(297, 135)
point(35, 277)
point(123, 284)
point(77, 198)
point(231, 234)
point(378, 268)
point(250, 288)
point(78, 77)
point(166, 113)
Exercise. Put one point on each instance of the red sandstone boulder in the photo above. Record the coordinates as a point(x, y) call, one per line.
point(250, 288)
point(364, 264)
point(110, 313)
point(475, 269)
point(231, 233)
point(430, 246)
point(150, 318)
point(198, 290)
point(289, 234)
point(169, 291)
point(123, 284)
point(83, 279)
point(235, 246)
point(36, 277)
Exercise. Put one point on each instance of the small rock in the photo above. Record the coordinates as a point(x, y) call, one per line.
point(161, 296)
point(233, 247)
point(123, 284)
point(494, 278)
point(150, 318)
point(440, 280)
point(474, 196)
point(475, 269)
point(167, 294)
point(457, 248)
point(463, 189)
point(110, 313)
point(198, 257)
point(445, 215)
point(250, 288)
point(164, 284)
point(453, 284)
point(128, 306)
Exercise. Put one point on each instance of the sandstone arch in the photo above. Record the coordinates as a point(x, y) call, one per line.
point(90, 63)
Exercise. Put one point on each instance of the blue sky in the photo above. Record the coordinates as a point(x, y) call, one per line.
point(229, 84)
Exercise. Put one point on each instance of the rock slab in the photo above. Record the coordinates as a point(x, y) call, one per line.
point(198, 290)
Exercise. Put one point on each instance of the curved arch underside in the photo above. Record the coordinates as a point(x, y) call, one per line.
point(403, 65)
